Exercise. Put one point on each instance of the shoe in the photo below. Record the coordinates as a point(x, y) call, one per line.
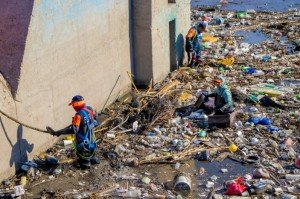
point(192, 64)
point(95, 160)
point(85, 166)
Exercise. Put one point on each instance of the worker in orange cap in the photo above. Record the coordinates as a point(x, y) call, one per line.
point(223, 99)
point(82, 126)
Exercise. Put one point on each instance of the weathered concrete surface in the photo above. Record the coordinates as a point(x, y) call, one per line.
point(163, 13)
point(152, 50)
point(72, 47)
point(15, 18)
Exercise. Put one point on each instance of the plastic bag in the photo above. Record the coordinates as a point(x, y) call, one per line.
point(250, 70)
point(226, 61)
point(209, 38)
point(260, 120)
point(236, 188)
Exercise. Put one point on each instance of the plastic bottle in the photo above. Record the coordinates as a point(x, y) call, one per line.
point(179, 145)
point(203, 120)
point(133, 193)
point(287, 196)
point(177, 166)
point(292, 176)
point(266, 58)
point(135, 126)
point(120, 148)
point(273, 143)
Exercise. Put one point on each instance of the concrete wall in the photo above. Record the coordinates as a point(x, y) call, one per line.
point(51, 50)
point(66, 47)
point(152, 60)
point(163, 13)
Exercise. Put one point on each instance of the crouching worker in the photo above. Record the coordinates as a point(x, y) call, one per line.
point(82, 126)
point(193, 43)
point(223, 99)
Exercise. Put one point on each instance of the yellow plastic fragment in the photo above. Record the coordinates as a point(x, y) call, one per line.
point(209, 38)
point(184, 96)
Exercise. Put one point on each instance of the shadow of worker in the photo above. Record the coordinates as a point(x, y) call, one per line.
point(19, 150)
point(180, 50)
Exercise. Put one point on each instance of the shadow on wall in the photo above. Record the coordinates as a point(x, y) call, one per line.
point(19, 150)
point(180, 50)
point(15, 19)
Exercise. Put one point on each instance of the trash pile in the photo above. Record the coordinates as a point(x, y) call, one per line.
point(160, 125)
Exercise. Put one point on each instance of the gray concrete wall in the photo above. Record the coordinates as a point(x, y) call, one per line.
point(152, 59)
point(163, 13)
point(67, 47)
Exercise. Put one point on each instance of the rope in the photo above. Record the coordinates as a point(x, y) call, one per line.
point(110, 93)
point(21, 123)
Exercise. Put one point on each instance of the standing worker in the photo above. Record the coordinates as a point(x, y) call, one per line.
point(82, 126)
point(193, 43)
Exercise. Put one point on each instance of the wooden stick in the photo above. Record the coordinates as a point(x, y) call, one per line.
point(149, 87)
point(190, 143)
point(102, 129)
point(107, 190)
point(133, 84)
point(167, 87)
point(181, 155)
point(21, 123)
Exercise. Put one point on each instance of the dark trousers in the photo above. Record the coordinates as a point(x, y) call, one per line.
point(86, 157)
point(208, 106)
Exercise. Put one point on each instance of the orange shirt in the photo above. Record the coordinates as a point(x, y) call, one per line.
point(191, 33)
point(76, 120)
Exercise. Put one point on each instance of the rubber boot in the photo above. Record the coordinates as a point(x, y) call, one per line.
point(95, 160)
point(84, 164)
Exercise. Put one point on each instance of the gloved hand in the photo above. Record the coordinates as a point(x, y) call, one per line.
point(51, 131)
point(206, 98)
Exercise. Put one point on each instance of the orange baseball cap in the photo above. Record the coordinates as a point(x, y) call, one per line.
point(217, 80)
point(76, 99)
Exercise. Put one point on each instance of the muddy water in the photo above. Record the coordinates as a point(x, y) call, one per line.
point(235, 170)
point(166, 173)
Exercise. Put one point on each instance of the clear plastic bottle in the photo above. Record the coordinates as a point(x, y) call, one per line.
point(273, 143)
point(203, 120)
point(179, 145)
point(133, 193)
point(135, 126)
